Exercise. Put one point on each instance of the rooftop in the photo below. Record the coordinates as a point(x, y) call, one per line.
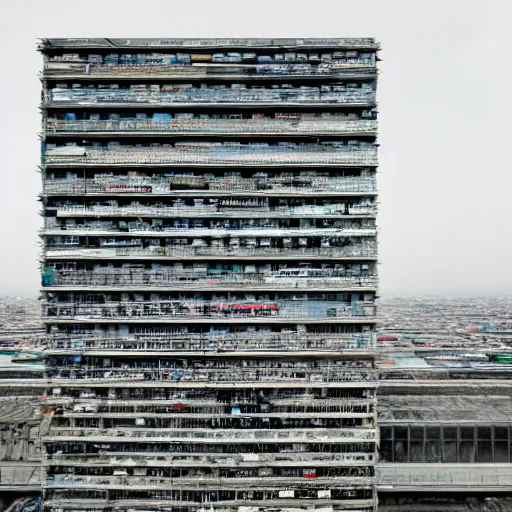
point(169, 43)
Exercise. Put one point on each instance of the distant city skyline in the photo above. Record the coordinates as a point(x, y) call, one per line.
point(444, 188)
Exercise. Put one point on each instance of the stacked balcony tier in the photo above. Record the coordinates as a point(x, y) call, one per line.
point(139, 442)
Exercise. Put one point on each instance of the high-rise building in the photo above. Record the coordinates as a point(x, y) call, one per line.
point(209, 274)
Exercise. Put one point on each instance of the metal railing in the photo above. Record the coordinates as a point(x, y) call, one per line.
point(288, 458)
point(209, 309)
point(300, 185)
point(210, 66)
point(308, 154)
point(228, 126)
point(347, 435)
point(185, 94)
point(214, 342)
point(214, 210)
point(266, 375)
point(192, 280)
point(368, 250)
point(182, 45)
point(215, 229)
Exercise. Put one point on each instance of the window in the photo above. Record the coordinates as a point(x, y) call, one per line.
point(484, 445)
point(433, 444)
point(401, 444)
point(417, 443)
point(467, 444)
point(501, 444)
point(450, 444)
point(386, 444)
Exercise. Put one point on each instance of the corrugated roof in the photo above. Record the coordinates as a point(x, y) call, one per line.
point(444, 409)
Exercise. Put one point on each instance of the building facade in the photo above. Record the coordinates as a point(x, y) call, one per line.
point(209, 274)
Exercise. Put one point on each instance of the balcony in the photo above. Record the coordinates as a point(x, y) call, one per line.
point(154, 482)
point(284, 459)
point(250, 228)
point(211, 154)
point(277, 63)
point(260, 341)
point(209, 310)
point(245, 209)
point(237, 95)
point(210, 185)
point(270, 126)
point(227, 252)
point(272, 280)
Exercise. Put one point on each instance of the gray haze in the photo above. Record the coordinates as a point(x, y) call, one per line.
point(445, 116)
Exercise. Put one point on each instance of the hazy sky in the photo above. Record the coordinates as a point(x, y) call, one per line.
point(444, 121)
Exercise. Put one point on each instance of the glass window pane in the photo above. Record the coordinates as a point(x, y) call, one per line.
point(484, 451)
point(386, 432)
point(450, 433)
point(501, 433)
point(467, 433)
point(433, 451)
point(501, 451)
point(417, 433)
point(401, 432)
point(400, 451)
point(467, 451)
point(433, 433)
point(450, 452)
point(386, 451)
point(417, 452)
point(484, 432)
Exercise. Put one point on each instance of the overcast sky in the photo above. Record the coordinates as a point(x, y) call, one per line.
point(444, 121)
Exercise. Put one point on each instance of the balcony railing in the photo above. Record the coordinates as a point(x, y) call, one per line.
point(209, 309)
point(208, 65)
point(141, 482)
point(222, 251)
point(285, 459)
point(108, 277)
point(212, 375)
point(213, 210)
point(300, 185)
point(227, 126)
point(342, 435)
point(307, 154)
point(182, 45)
point(215, 342)
point(187, 95)
point(104, 228)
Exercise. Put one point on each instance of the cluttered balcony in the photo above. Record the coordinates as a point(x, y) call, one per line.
point(206, 64)
point(71, 247)
point(299, 183)
point(50, 46)
point(213, 276)
point(210, 124)
point(118, 459)
point(239, 207)
point(227, 498)
point(207, 476)
point(204, 227)
point(215, 96)
point(357, 153)
point(209, 368)
point(242, 307)
point(211, 338)
point(313, 435)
